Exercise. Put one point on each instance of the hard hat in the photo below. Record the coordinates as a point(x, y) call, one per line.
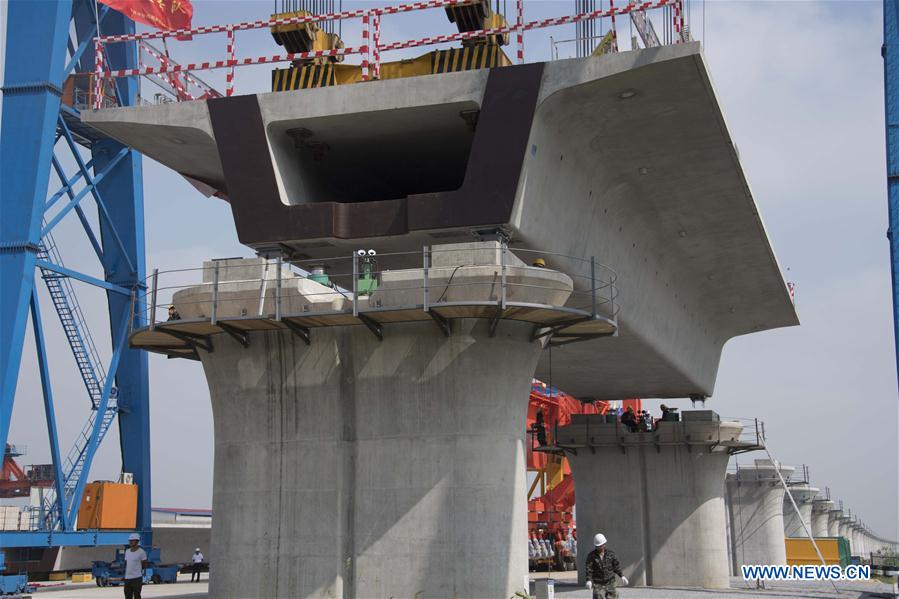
point(134, 537)
point(197, 549)
point(540, 262)
point(599, 540)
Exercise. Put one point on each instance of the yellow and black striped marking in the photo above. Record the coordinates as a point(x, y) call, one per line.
point(304, 77)
point(482, 56)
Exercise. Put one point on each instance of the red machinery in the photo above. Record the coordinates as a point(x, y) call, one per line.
point(551, 496)
point(15, 482)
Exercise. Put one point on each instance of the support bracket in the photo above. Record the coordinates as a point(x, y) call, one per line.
point(195, 341)
point(442, 322)
point(240, 336)
point(299, 330)
point(374, 327)
point(541, 331)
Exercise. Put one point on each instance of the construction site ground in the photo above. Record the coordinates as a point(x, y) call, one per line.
point(566, 586)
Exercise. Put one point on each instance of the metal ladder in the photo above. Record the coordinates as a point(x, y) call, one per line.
point(72, 320)
point(92, 373)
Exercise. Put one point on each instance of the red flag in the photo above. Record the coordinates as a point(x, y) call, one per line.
point(162, 14)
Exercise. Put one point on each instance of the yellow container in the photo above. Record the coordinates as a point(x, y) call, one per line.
point(56, 576)
point(801, 552)
point(107, 505)
point(82, 577)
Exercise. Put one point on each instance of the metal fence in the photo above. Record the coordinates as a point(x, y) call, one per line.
point(594, 431)
point(370, 49)
point(368, 282)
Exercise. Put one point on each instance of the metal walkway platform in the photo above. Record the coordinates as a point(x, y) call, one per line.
point(182, 338)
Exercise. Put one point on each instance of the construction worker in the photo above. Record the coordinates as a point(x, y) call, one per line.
point(629, 419)
point(602, 566)
point(135, 562)
point(173, 313)
point(539, 429)
point(196, 564)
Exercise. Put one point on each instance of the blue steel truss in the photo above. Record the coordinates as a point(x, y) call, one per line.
point(891, 95)
point(49, 50)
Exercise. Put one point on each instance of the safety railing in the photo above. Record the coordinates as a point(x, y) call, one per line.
point(594, 431)
point(367, 281)
point(370, 49)
point(180, 86)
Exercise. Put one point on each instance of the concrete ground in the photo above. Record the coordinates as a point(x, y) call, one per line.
point(566, 587)
point(184, 589)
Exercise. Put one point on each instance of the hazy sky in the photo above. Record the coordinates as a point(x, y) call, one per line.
point(801, 86)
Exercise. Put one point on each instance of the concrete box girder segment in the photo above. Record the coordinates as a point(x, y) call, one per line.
point(624, 157)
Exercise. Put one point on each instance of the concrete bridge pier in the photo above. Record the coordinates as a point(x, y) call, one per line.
point(845, 531)
point(352, 466)
point(755, 498)
point(821, 510)
point(858, 546)
point(803, 495)
point(833, 522)
point(657, 496)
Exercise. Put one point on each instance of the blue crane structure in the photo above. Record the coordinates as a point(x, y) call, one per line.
point(49, 51)
point(890, 52)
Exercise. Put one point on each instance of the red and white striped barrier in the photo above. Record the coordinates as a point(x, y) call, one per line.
point(679, 20)
point(334, 16)
point(172, 80)
point(239, 62)
point(519, 23)
point(538, 24)
point(98, 75)
point(370, 50)
point(366, 56)
point(376, 45)
point(614, 29)
point(229, 77)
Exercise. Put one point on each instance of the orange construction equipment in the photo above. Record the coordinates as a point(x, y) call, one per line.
point(551, 496)
point(15, 482)
point(108, 505)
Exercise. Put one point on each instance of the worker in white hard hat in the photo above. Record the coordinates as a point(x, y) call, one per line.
point(135, 562)
point(602, 567)
point(196, 561)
